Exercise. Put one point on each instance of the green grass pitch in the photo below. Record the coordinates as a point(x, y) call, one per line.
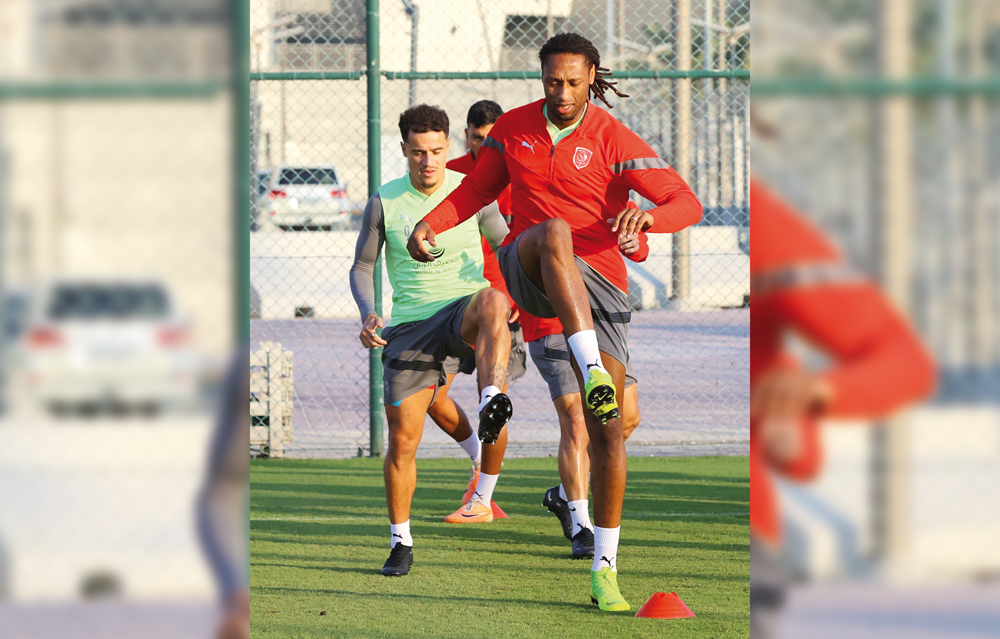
point(319, 535)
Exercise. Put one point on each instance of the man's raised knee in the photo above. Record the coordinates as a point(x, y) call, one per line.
point(492, 306)
point(555, 232)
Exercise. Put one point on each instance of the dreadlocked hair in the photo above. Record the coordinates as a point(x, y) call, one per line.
point(579, 45)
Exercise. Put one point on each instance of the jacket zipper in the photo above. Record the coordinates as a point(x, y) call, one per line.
point(552, 163)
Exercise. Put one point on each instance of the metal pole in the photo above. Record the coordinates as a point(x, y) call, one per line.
point(684, 148)
point(413, 11)
point(241, 179)
point(609, 27)
point(894, 204)
point(983, 242)
point(284, 128)
point(620, 55)
point(725, 129)
point(373, 67)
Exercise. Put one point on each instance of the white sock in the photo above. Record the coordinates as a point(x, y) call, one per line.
point(562, 493)
point(580, 516)
point(485, 396)
point(484, 489)
point(474, 447)
point(606, 548)
point(584, 348)
point(400, 534)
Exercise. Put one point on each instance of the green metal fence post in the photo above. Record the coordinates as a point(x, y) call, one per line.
point(241, 181)
point(374, 181)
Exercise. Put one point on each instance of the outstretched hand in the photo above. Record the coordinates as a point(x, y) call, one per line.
point(779, 402)
point(368, 336)
point(415, 245)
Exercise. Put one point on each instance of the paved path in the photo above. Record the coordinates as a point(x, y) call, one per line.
point(693, 370)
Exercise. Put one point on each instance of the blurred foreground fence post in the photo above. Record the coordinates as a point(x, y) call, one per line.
point(374, 181)
point(3, 275)
point(894, 204)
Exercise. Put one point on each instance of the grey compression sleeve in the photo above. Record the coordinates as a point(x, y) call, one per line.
point(492, 225)
point(366, 252)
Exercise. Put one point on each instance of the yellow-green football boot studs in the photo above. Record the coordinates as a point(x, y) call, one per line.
point(599, 390)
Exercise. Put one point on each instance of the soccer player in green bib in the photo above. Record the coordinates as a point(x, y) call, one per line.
point(442, 309)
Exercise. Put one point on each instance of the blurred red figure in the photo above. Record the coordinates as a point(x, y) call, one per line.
point(800, 283)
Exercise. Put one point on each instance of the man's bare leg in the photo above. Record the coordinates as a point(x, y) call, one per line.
point(575, 452)
point(450, 418)
point(448, 415)
point(492, 461)
point(630, 411)
point(608, 463)
point(485, 325)
point(574, 460)
point(574, 441)
point(406, 425)
point(545, 252)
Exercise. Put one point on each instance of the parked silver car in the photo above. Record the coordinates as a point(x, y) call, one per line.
point(90, 345)
point(307, 196)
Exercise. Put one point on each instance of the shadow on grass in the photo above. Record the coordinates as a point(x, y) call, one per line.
point(488, 601)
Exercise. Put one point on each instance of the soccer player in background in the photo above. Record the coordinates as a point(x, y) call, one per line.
point(571, 167)
point(800, 283)
point(477, 504)
point(440, 310)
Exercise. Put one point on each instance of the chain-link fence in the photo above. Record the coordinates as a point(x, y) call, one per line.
point(684, 66)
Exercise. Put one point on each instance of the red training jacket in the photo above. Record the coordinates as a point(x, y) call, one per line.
point(800, 283)
point(491, 268)
point(585, 180)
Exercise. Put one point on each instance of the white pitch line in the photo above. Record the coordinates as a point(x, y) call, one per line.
point(306, 520)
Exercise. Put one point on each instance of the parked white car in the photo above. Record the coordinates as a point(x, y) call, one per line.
point(307, 196)
point(92, 345)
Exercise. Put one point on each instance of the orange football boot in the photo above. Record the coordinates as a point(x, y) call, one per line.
point(474, 512)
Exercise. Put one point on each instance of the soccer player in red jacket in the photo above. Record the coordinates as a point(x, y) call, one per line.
point(571, 167)
point(800, 283)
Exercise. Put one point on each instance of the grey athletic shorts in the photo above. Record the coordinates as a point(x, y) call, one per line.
point(552, 359)
point(414, 358)
point(517, 365)
point(608, 304)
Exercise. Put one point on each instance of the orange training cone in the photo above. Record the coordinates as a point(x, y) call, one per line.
point(664, 606)
point(497, 512)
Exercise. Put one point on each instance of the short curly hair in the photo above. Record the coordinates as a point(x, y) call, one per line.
point(421, 119)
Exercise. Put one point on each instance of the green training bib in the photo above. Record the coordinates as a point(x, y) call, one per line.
point(419, 290)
